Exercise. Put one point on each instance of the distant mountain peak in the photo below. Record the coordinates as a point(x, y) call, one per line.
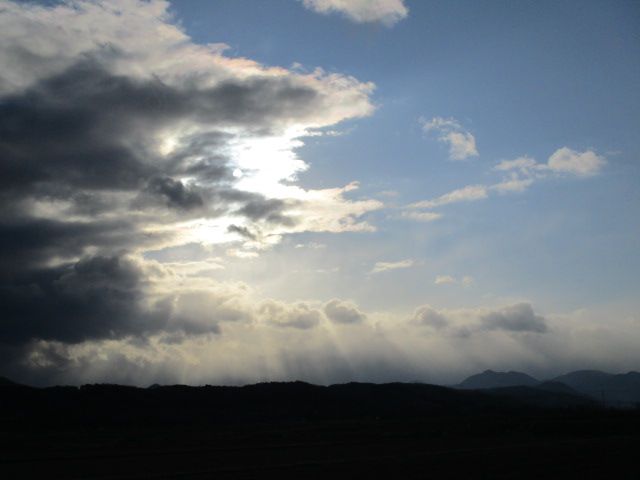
point(493, 379)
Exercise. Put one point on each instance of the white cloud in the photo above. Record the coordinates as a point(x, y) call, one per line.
point(386, 266)
point(469, 193)
point(421, 216)
point(388, 12)
point(524, 164)
point(444, 280)
point(521, 173)
point(465, 281)
point(512, 184)
point(562, 161)
point(311, 245)
point(583, 164)
point(236, 252)
point(462, 144)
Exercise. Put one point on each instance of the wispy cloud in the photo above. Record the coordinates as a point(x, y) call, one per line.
point(519, 174)
point(421, 216)
point(465, 281)
point(462, 144)
point(466, 194)
point(387, 12)
point(386, 266)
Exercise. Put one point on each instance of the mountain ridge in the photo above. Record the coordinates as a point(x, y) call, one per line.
point(612, 390)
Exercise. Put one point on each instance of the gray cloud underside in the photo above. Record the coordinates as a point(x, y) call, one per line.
point(517, 318)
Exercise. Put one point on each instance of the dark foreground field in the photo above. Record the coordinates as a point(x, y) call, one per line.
point(303, 431)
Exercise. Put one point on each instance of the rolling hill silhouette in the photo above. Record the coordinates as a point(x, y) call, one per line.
point(491, 379)
point(292, 401)
point(611, 390)
point(300, 430)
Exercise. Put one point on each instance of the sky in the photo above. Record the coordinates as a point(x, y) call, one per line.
point(236, 191)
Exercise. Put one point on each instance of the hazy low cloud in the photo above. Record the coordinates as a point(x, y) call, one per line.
point(462, 144)
point(517, 318)
point(271, 340)
point(387, 12)
point(287, 341)
point(386, 266)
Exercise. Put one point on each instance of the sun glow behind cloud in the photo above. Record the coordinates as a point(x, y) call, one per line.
point(161, 222)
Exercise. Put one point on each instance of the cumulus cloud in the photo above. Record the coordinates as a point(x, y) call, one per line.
point(344, 312)
point(563, 161)
point(299, 315)
point(462, 144)
point(386, 266)
point(429, 316)
point(515, 318)
point(387, 12)
point(584, 164)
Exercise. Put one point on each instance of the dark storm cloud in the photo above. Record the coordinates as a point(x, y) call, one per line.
point(176, 193)
point(30, 242)
point(81, 120)
point(95, 298)
point(87, 131)
point(93, 128)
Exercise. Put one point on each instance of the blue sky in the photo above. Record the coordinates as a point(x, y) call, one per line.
point(245, 190)
point(525, 79)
